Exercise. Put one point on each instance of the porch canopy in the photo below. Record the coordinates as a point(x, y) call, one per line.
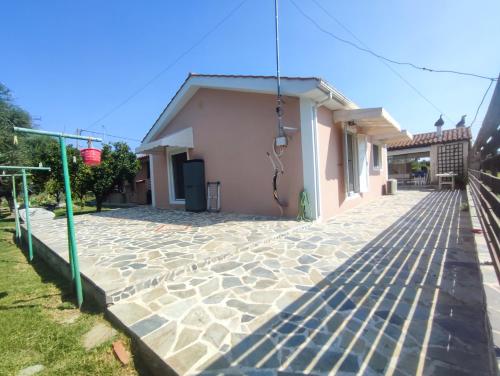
point(182, 138)
point(375, 122)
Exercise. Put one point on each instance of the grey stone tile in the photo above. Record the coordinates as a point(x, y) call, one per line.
point(144, 327)
point(338, 288)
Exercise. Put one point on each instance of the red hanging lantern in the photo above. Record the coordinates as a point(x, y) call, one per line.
point(91, 156)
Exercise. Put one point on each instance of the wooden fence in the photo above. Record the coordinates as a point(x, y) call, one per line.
point(486, 196)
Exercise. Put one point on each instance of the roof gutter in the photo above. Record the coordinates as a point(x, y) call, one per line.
point(334, 94)
point(328, 98)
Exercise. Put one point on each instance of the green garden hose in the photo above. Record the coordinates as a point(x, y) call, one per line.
point(303, 206)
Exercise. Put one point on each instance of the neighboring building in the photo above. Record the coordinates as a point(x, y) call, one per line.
point(138, 193)
point(336, 151)
point(141, 194)
point(443, 151)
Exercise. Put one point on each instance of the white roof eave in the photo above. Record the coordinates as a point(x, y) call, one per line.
point(375, 122)
point(312, 88)
point(183, 138)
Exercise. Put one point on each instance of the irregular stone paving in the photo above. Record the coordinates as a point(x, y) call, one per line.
point(126, 250)
point(391, 287)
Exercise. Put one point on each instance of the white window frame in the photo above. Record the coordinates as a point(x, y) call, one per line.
point(355, 157)
point(152, 179)
point(170, 168)
point(379, 166)
point(363, 163)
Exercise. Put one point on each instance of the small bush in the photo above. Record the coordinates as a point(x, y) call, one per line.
point(43, 199)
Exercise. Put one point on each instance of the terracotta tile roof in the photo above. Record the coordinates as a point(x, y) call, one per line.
point(426, 139)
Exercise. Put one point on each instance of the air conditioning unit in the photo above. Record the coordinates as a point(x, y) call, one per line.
point(392, 186)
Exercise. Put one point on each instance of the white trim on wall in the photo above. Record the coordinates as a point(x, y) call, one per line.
point(355, 160)
point(380, 165)
point(152, 178)
point(310, 155)
point(171, 189)
point(317, 158)
point(363, 166)
point(384, 159)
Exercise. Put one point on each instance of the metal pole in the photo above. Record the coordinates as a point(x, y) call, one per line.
point(16, 212)
point(55, 134)
point(27, 215)
point(18, 168)
point(71, 225)
point(281, 137)
point(276, 30)
point(70, 248)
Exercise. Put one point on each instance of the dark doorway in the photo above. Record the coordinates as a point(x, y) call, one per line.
point(178, 175)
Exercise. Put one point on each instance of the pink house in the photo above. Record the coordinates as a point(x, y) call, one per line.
point(336, 151)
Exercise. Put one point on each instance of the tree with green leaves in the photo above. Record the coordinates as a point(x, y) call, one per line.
point(11, 153)
point(118, 165)
point(80, 183)
point(46, 150)
point(12, 116)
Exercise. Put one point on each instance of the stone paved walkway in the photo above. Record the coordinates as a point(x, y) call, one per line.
point(391, 287)
point(127, 250)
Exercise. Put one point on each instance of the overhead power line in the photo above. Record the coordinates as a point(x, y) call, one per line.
point(110, 135)
point(481, 103)
point(172, 63)
point(408, 83)
point(371, 52)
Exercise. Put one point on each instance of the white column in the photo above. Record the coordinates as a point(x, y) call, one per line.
point(310, 155)
point(363, 167)
point(385, 165)
point(152, 178)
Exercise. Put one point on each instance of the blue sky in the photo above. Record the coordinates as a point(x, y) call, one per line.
point(70, 63)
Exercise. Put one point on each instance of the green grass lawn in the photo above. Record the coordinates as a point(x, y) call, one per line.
point(39, 323)
point(61, 212)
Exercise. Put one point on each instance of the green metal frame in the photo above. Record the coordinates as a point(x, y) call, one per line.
point(26, 201)
point(14, 200)
point(16, 209)
point(72, 246)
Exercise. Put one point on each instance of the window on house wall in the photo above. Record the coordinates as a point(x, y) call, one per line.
point(377, 156)
point(351, 156)
point(176, 175)
point(148, 171)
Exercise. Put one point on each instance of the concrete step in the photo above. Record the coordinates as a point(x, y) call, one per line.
point(135, 254)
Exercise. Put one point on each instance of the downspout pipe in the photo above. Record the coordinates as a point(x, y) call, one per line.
point(329, 97)
point(336, 95)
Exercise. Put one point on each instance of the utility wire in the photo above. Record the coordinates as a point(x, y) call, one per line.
point(481, 103)
point(369, 51)
point(110, 135)
point(172, 63)
point(410, 85)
